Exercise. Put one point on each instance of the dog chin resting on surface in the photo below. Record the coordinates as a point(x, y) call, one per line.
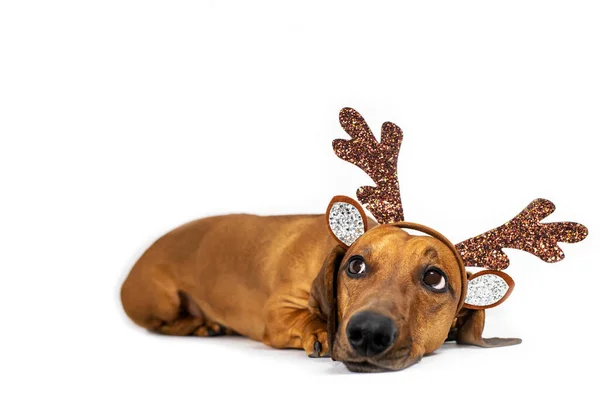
point(279, 279)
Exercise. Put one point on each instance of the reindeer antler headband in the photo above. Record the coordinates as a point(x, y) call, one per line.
point(379, 160)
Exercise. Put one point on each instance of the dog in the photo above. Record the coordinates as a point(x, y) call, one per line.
point(270, 279)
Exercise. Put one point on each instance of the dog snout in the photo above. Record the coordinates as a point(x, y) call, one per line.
point(370, 333)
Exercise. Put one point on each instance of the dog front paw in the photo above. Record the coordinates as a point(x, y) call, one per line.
point(316, 345)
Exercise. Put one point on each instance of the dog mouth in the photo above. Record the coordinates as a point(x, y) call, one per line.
point(386, 365)
point(364, 366)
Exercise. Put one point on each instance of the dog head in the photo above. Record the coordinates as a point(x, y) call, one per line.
point(391, 296)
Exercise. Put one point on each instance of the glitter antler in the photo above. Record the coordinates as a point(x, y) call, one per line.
point(524, 232)
point(378, 160)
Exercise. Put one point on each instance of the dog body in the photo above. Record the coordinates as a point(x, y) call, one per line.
point(282, 279)
point(249, 274)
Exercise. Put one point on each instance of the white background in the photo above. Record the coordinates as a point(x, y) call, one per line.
point(120, 120)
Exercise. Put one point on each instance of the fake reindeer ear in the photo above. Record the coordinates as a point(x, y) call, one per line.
point(346, 220)
point(487, 289)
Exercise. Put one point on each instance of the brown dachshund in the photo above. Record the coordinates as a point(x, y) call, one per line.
point(375, 297)
point(269, 278)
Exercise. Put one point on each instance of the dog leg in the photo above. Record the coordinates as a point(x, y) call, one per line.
point(297, 328)
point(192, 321)
point(187, 320)
point(152, 299)
point(213, 329)
point(314, 340)
point(180, 327)
point(189, 325)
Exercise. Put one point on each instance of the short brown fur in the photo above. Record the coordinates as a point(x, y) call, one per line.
point(266, 278)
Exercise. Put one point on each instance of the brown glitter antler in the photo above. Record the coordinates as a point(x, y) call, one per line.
point(378, 160)
point(524, 232)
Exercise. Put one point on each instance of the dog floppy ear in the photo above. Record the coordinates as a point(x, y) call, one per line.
point(486, 289)
point(468, 329)
point(323, 296)
point(346, 220)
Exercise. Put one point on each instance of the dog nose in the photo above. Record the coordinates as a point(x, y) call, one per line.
point(370, 333)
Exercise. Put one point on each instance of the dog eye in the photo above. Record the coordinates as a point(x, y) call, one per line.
point(435, 279)
point(356, 266)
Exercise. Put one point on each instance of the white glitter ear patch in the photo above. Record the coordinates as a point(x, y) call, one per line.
point(488, 289)
point(346, 222)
